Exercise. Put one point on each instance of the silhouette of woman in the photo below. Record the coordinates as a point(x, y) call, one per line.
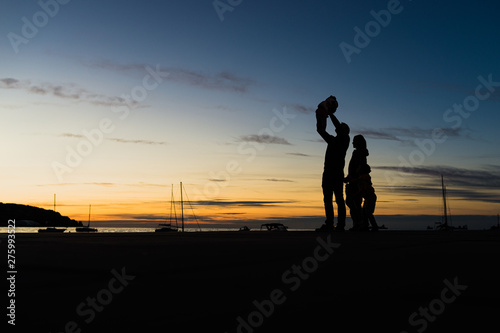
point(367, 192)
point(353, 195)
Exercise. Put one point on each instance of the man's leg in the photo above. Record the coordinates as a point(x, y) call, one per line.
point(328, 200)
point(339, 199)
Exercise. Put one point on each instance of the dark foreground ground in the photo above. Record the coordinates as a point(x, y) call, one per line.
point(390, 281)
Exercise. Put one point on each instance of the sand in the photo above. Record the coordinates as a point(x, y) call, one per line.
point(258, 282)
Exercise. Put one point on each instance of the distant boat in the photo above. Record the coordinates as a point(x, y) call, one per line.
point(52, 229)
point(86, 228)
point(275, 227)
point(496, 227)
point(168, 227)
point(444, 225)
point(245, 228)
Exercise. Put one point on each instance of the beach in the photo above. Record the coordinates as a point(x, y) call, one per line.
point(390, 281)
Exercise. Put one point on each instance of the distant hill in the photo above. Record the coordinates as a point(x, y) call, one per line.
point(33, 216)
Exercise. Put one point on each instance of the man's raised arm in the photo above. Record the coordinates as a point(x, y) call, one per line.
point(335, 121)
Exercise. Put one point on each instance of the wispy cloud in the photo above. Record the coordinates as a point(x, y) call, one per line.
point(301, 108)
point(427, 86)
point(280, 180)
point(71, 135)
point(466, 194)
point(483, 178)
point(238, 203)
point(265, 139)
point(140, 142)
point(140, 184)
point(219, 81)
point(223, 80)
point(118, 140)
point(299, 154)
point(217, 180)
point(73, 184)
point(9, 82)
point(407, 135)
point(67, 91)
point(464, 184)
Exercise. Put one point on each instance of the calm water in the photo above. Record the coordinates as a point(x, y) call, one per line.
point(125, 230)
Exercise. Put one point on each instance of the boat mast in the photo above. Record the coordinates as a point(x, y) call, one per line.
point(444, 202)
point(182, 210)
point(88, 224)
point(54, 202)
point(172, 206)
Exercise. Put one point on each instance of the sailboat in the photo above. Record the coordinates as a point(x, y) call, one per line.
point(86, 228)
point(52, 229)
point(168, 227)
point(443, 225)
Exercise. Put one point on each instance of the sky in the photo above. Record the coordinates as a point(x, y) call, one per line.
point(110, 103)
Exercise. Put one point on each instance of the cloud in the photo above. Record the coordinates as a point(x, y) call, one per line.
point(280, 180)
point(114, 66)
point(301, 108)
point(220, 81)
point(266, 139)
point(379, 135)
point(225, 81)
point(73, 184)
point(9, 82)
point(237, 203)
point(68, 91)
point(465, 194)
point(484, 178)
point(426, 86)
point(141, 142)
point(464, 184)
point(70, 135)
point(407, 135)
point(118, 140)
point(139, 184)
point(147, 217)
point(298, 154)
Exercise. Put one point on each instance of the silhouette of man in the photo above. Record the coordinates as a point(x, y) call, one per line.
point(333, 174)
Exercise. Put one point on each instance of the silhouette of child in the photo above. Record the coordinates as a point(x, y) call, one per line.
point(325, 108)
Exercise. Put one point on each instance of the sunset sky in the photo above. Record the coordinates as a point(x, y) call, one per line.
point(110, 102)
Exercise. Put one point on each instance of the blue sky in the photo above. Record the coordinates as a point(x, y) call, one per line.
point(224, 85)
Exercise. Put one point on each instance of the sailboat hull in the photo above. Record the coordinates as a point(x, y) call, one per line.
point(86, 229)
point(165, 230)
point(50, 229)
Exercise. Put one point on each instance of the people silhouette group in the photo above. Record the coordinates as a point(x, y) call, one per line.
point(360, 194)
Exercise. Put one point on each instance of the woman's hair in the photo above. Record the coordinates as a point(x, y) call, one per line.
point(359, 141)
